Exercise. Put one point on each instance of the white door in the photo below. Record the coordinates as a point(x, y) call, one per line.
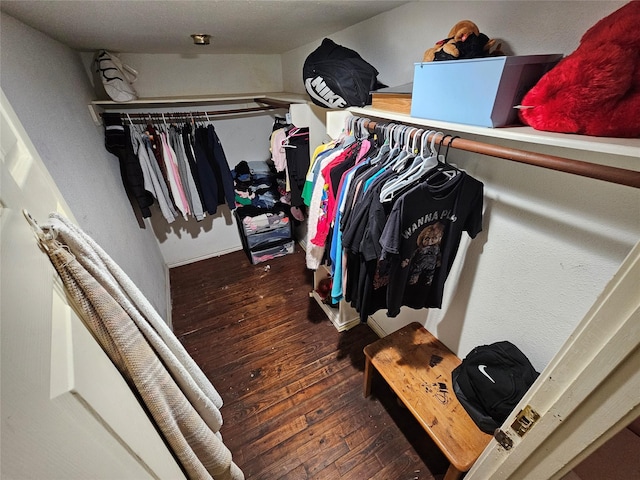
point(65, 410)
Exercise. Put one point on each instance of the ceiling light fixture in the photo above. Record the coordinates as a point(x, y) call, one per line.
point(201, 38)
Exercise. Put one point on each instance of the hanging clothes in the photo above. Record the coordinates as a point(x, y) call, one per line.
point(175, 182)
point(183, 169)
point(186, 134)
point(117, 141)
point(289, 146)
point(421, 238)
point(154, 181)
point(314, 252)
point(391, 220)
point(221, 168)
point(278, 153)
point(186, 173)
point(297, 156)
point(333, 174)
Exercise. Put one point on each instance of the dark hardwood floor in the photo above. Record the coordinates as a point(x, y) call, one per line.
point(292, 384)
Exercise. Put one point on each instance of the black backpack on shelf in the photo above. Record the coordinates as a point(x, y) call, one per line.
point(490, 382)
point(337, 77)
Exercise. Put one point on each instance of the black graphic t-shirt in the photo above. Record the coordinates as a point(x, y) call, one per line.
point(421, 238)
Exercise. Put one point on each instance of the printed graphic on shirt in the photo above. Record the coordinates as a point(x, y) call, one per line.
point(429, 217)
point(381, 277)
point(427, 257)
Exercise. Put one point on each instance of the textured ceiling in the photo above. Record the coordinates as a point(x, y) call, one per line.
point(165, 26)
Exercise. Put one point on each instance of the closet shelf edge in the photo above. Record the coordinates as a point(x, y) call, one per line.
point(624, 147)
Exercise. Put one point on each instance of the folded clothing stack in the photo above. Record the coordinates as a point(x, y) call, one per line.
point(264, 222)
point(257, 184)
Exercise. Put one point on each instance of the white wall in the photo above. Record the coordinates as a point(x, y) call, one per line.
point(47, 87)
point(185, 241)
point(244, 137)
point(393, 41)
point(551, 241)
point(173, 75)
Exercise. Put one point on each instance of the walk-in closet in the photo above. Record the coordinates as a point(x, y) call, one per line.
point(254, 244)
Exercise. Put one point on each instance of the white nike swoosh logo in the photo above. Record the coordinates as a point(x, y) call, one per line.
point(482, 369)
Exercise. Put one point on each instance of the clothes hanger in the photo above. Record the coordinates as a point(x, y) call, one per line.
point(154, 123)
point(294, 132)
point(356, 130)
point(285, 141)
point(428, 161)
point(409, 140)
point(385, 148)
point(398, 152)
point(347, 137)
point(420, 165)
point(446, 152)
point(442, 140)
point(449, 170)
point(164, 122)
point(352, 126)
point(364, 132)
point(133, 127)
point(298, 132)
point(378, 135)
point(408, 152)
point(176, 120)
point(386, 151)
point(400, 166)
point(150, 129)
point(445, 172)
point(347, 130)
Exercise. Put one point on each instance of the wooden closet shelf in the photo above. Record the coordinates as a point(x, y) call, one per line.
point(278, 100)
point(280, 97)
point(615, 160)
point(621, 147)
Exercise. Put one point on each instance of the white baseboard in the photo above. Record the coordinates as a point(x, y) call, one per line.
point(375, 326)
point(167, 282)
point(204, 257)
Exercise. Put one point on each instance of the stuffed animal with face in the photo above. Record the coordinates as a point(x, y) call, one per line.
point(464, 41)
point(596, 89)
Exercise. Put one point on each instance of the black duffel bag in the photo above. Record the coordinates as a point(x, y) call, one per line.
point(337, 77)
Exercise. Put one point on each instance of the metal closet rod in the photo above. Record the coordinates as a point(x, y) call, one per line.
point(606, 173)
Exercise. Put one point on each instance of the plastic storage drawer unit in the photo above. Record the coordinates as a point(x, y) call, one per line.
point(270, 252)
point(265, 236)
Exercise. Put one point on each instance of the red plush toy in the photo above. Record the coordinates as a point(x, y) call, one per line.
point(596, 89)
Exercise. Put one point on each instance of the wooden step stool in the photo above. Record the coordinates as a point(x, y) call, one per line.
point(417, 367)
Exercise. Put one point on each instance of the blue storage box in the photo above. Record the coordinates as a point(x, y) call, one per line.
point(479, 91)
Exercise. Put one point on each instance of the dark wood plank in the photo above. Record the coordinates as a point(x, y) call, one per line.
point(292, 384)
